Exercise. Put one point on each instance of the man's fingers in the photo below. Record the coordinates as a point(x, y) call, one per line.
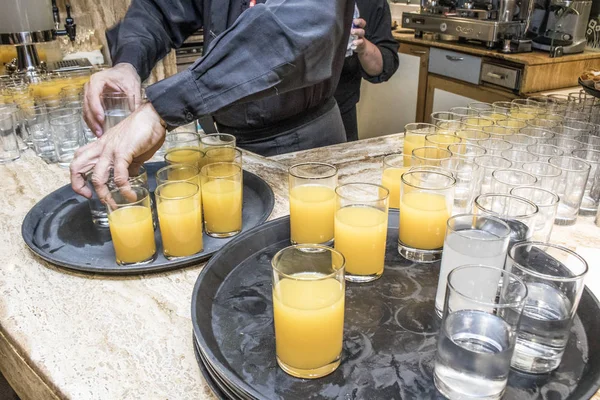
point(84, 160)
point(102, 174)
point(121, 169)
point(93, 111)
point(359, 23)
point(359, 32)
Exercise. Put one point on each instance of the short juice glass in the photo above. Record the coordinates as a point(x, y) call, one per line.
point(131, 227)
point(178, 172)
point(361, 222)
point(429, 156)
point(426, 202)
point(312, 202)
point(414, 136)
point(180, 218)
point(393, 168)
point(308, 309)
point(182, 155)
point(223, 154)
point(222, 198)
point(441, 140)
point(217, 140)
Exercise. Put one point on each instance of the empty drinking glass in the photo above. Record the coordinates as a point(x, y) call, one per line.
point(544, 151)
point(519, 157)
point(555, 280)
point(519, 214)
point(520, 141)
point(548, 176)
point(494, 147)
point(67, 135)
point(541, 135)
point(468, 182)
point(478, 332)
point(589, 206)
point(503, 180)
point(488, 165)
point(547, 203)
point(571, 187)
point(466, 151)
point(471, 136)
point(9, 148)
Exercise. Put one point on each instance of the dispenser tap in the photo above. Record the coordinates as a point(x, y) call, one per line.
point(70, 26)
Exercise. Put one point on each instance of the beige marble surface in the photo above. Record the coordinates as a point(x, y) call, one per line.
point(84, 336)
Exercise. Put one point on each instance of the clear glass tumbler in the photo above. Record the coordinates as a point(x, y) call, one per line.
point(519, 214)
point(488, 164)
point(494, 147)
point(571, 187)
point(9, 147)
point(548, 176)
point(429, 156)
point(67, 134)
point(589, 205)
point(468, 182)
point(117, 106)
point(471, 239)
point(223, 154)
point(360, 228)
point(555, 280)
point(426, 203)
point(478, 333)
point(544, 151)
point(519, 157)
point(547, 204)
point(217, 140)
point(308, 309)
point(312, 202)
point(503, 180)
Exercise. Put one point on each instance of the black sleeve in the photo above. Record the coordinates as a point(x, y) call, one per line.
point(379, 32)
point(272, 48)
point(150, 29)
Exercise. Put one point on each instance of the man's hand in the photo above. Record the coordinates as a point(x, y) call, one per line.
point(120, 78)
point(130, 143)
point(359, 31)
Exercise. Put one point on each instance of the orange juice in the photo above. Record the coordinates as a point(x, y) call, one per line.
point(48, 88)
point(185, 155)
point(180, 220)
point(391, 181)
point(312, 209)
point(132, 234)
point(495, 116)
point(360, 235)
point(423, 218)
point(222, 201)
point(309, 323)
point(478, 122)
point(411, 142)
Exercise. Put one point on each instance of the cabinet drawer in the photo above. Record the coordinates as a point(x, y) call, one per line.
point(501, 75)
point(455, 65)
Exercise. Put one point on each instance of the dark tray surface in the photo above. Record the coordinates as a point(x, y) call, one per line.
point(59, 229)
point(389, 333)
point(589, 88)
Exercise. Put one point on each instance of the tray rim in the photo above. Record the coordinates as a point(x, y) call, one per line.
point(137, 269)
point(241, 384)
point(590, 90)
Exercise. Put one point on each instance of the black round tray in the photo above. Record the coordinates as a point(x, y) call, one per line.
point(590, 89)
point(60, 230)
point(389, 334)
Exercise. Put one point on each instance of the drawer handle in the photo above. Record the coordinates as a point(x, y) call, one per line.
point(496, 76)
point(419, 52)
point(454, 58)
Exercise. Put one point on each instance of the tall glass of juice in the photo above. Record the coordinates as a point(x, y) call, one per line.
point(361, 223)
point(308, 309)
point(223, 154)
point(183, 148)
point(130, 223)
point(312, 202)
point(178, 172)
point(180, 218)
point(414, 136)
point(426, 202)
point(393, 168)
point(222, 199)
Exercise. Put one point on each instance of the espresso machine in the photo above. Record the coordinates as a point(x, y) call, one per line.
point(23, 23)
point(559, 26)
point(492, 22)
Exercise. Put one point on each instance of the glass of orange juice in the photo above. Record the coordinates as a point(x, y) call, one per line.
point(426, 202)
point(222, 199)
point(312, 202)
point(178, 172)
point(184, 148)
point(442, 140)
point(393, 168)
point(429, 155)
point(180, 218)
point(414, 136)
point(222, 154)
point(130, 223)
point(360, 231)
point(308, 309)
point(217, 140)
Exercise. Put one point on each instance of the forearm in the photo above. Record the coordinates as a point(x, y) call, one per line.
point(371, 59)
point(294, 44)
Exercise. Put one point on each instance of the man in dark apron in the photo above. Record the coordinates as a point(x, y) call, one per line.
point(268, 76)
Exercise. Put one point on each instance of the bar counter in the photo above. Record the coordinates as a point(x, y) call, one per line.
point(72, 335)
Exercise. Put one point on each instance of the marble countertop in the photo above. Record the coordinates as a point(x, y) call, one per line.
point(536, 57)
point(70, 335)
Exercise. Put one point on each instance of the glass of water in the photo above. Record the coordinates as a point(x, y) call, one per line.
point(471, 239)
point(117, 107)
point(554, 276)
point(478, 332)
